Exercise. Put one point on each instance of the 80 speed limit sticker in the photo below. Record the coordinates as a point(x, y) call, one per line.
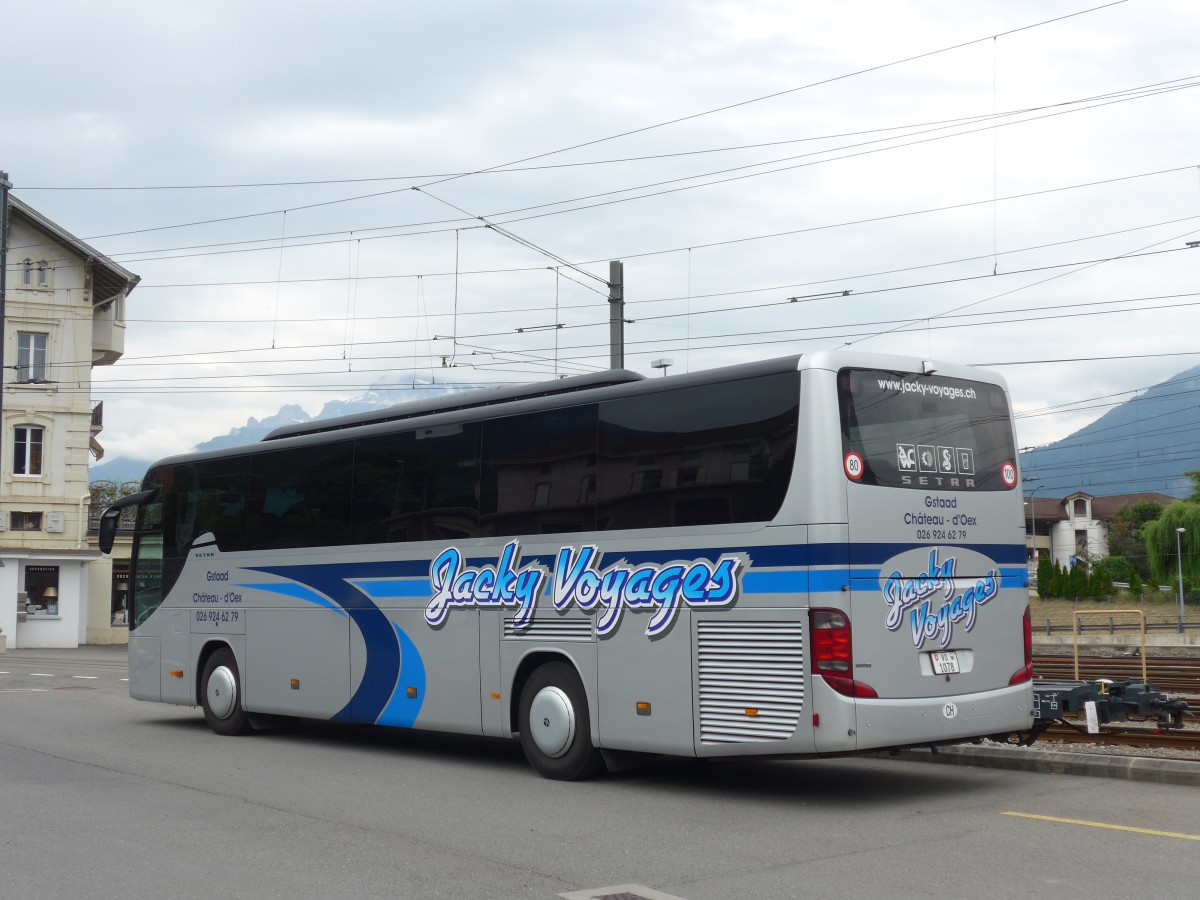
point(854, 465)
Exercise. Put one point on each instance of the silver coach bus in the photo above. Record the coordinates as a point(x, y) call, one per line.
point(809, 556)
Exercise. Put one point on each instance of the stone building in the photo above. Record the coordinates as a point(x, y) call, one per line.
point(64, 313)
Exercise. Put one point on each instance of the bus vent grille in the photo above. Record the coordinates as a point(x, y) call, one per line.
point(751, 680)
point(550, 630)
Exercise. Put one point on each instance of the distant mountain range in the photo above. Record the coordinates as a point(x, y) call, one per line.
point(1144, 444)
point(382, 394)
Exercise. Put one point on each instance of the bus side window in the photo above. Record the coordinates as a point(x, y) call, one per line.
point(705, 455)
point(532, 466)
point(300, 497)
point(417, 485)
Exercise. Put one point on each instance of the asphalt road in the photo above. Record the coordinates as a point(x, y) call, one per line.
point(102, 796)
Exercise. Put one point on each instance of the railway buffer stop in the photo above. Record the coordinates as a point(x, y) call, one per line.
point(1103, 701)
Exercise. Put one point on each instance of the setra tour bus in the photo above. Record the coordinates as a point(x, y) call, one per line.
point(803, 557)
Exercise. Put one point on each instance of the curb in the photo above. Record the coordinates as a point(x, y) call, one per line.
point(1053, 762)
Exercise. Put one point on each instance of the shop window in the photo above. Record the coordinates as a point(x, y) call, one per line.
point(41, 590)
point(120, 591)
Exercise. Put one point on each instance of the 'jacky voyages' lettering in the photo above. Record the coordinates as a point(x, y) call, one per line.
point(576, 579)
point(911, 595)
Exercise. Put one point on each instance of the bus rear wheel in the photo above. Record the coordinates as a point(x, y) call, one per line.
point(555, 727)
point(221, 694)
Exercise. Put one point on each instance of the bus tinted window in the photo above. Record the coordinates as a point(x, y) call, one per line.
point(417, 485)
point(300, 497)
point(537, 472)
point(925, 432)
point(703, 455)
point(217, 503)
point(148, 577)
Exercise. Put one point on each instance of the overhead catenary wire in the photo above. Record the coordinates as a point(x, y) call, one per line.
point(1117, 97)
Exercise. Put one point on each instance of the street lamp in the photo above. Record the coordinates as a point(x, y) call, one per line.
point(663, 364)
point(1033, 516)
point(1179, 562)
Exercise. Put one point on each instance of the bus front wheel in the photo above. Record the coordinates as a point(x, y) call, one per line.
point(555, 727)
point(221, 694)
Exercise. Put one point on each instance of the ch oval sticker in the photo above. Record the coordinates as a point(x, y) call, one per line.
point(949, 710)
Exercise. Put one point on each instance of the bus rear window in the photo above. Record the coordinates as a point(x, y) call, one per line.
point(924, 431)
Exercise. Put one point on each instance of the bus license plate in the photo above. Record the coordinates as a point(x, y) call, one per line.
point(945, 662)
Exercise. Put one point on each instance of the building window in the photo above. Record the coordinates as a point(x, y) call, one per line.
point(27, 273)
point(27, 450)
point(26, 521)
point(649, 480)
point(1081, 543)
point(1080, 508)
point(41, 590)
point(31, 356)
point(43, 274)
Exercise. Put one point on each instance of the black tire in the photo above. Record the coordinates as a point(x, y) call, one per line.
point(221, 694)
point(556, 732)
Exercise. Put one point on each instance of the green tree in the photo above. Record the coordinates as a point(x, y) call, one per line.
point(1125, 534)
point(1115, 568)
point(1077, 582)
point(1045, 577)
point(1160, 537)
point(1194, 475)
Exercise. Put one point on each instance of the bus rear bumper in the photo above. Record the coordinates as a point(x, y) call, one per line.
point(931, 720)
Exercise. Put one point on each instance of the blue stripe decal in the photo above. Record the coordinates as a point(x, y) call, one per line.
point(382, 668)
point(864, 580)
point(816, 581)
point(402, 710)
point(801, 555)
point(298, 592)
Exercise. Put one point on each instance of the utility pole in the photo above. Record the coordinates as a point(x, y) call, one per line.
point(616, 314)
point(5, 186)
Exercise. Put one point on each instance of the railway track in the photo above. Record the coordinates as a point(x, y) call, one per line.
point(1186, 741)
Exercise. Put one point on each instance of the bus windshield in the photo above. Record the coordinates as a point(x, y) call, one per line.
point(925, 432)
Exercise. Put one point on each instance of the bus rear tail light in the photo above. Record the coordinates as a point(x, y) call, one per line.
point(1025, 673)
point(831, 653)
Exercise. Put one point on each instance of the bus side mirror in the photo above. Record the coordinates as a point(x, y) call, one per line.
point(108, 529)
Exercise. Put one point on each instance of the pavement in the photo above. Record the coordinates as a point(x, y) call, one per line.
point(989, 755)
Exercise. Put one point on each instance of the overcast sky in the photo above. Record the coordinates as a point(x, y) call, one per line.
point(255, 164)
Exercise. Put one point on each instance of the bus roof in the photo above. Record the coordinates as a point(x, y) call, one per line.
point(461, 400)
